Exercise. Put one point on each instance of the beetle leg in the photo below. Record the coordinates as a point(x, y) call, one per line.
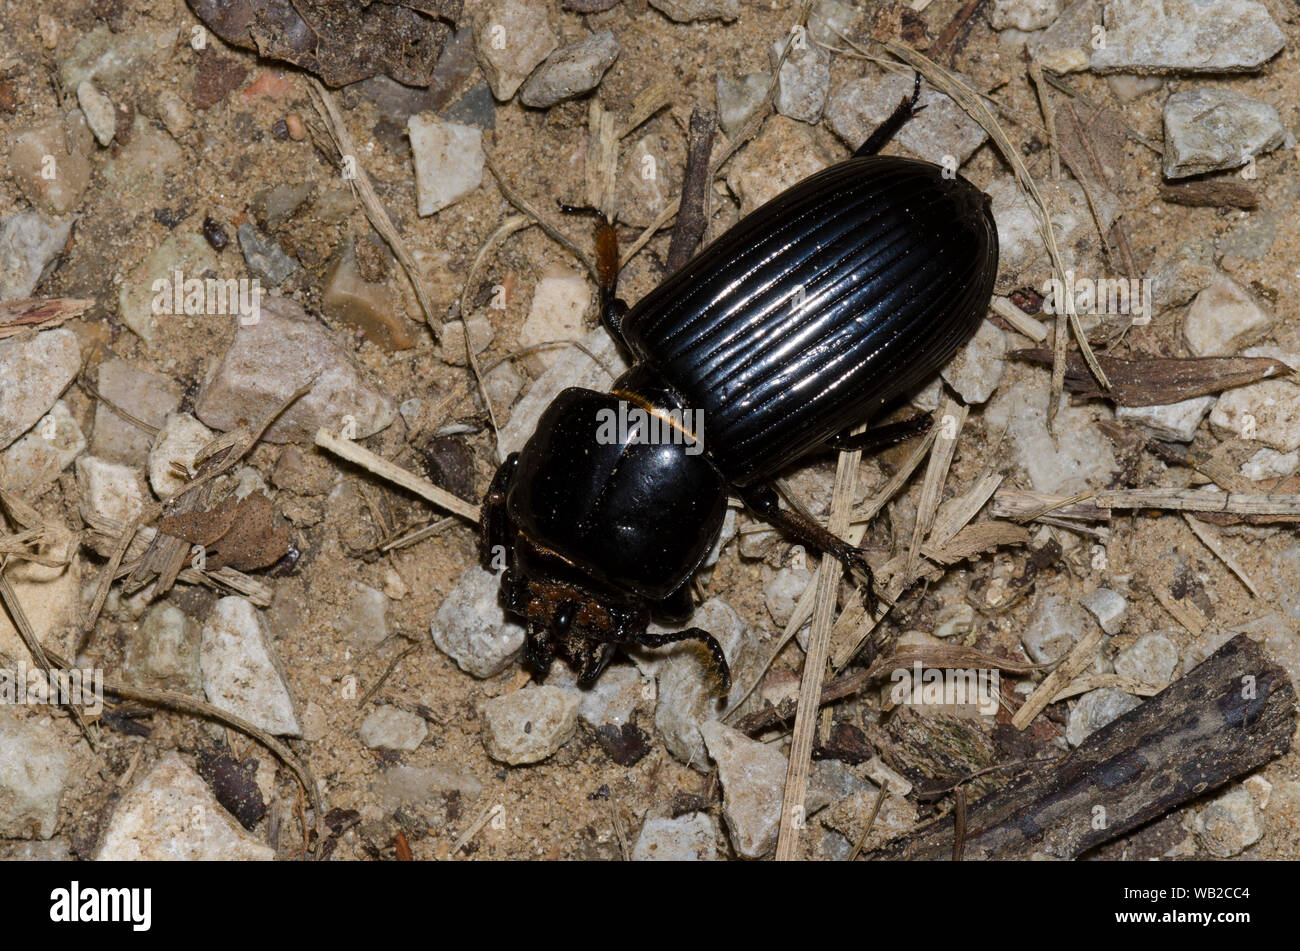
point(646, 639)
point(879, 437)
point(612, 307)
point(905, 110)
point(762, 500)
point(495, 530)
point(597, 660)
point(539, 650)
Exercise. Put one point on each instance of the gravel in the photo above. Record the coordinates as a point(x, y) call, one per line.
point(1228, 824)
point(1108, 607)
point(393, 729)
point(571, 71)
point(941, 131)
point(34, 769)
point(804, 79)
point(472, 629)
point(29, 241)
point(688, 838)
point(269, 359)
point(162, 651)
point(172, 815)
point(240, 672)
point(36, 369)
point(1152, 659)
point(448, 161)
point(511, 38)
point(1094, 710)
point(1176, 422)
point(530, 724)
point(753, 778)
point(976, 369)
point(177, 445)
point(1187, 36)
point(1209, 129)
point(48, 448)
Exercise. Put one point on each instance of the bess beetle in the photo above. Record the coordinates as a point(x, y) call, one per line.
point(802, 321)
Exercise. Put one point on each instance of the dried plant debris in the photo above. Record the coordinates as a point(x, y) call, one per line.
point(240, 533)
point(340, 41)
point(1157, 381)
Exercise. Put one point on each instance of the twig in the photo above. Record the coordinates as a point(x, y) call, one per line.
point(871, 820)
point(353, 452)
point(1214, 544)
point(1083, 654)
point(693, 214)
point(328, 110)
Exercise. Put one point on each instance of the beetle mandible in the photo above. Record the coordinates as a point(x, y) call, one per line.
point(845, 292)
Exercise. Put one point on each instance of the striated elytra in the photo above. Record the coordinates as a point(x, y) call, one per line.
point(832, 301)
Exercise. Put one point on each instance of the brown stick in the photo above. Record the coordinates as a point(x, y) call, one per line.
point(1210, 194)
point(692, 213)
point(953, 37)
point(1232, 714)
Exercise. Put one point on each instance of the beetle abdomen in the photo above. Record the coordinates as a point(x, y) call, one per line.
point(851, 288)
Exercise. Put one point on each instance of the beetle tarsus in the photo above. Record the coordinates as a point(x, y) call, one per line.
point(907, 109)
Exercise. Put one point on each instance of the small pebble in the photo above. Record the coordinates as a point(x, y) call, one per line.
point(688, 838)
point(1094, 710)
point(1108, 607)
point(393, 729)
point(976, 369)
point(753, 780)
point(1228, 824)
point(570, 71)
point(448, 161)
point(100, 113)
point(34, 769)
point(36, 369)
point(1176, 422)
point(215, 234)
point(802, 85)
point(294, 126)
point(1056, 623)
point(1187, 36)
point(1209, 129)
point(530, 724)
point(1152, 659)
point(511, 38)
point(175, 448)
point(471, 627)
point(240, 674)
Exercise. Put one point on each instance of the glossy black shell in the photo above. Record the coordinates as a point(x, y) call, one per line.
point(850, 289)
point(634, 516)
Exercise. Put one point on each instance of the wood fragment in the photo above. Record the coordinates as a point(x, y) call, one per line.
point(871, 821)
point(1215, 544)
point(692, 215)
point(39, 313)
point(1032, 328)
point(1210, 195)
point(1230, 715)
point(950, 418)
point(1080, 656)
point(1157, 381)
point(814, 668)
point(950, 41)
point(353, 452)
point(1016, 503)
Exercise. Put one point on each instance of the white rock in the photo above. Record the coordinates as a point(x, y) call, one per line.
point(99, 112)
point(753, 780)
point(1108, 607)
point(394, 729)
point(240, 673)
point(1022, 256)
point(738, 98)
point(1270, 464)
point(1152, 659)
point(784, 153)
point(830, 20)
point(802, 84)
point(143, 303)
point(558, 312)
point(112, 491)
point(955, 619)
point(1080, 458)
point(571, 71)
point(1173, 421)
point(163, 651)
point(471, 627)
point(1057, 623)
point(35, 370)
point(1266, 412)
point(28, 243)
point(529, 725)
point(1209, 129)
point(976, 369)
point(784, 591)
point(688, 838)
point(146, 395)
point(1094, 710)
point(34, 769)
point(171, 815)
point(690, 11)
point(177, 445)
point(614, 696)
point(175, 115)
point(573, 367)
point(271, 358)
point(1228, 824)
point(1223, 318)
point(363, 619)
point(448, 161)
point(1023, 14)
point(48, 448)
point(452, 343)
point(942, 128)
point(1187, 36)
point(511, 37)
point(1064, 47)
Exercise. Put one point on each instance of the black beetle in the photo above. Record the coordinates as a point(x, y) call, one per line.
point(806, 318)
